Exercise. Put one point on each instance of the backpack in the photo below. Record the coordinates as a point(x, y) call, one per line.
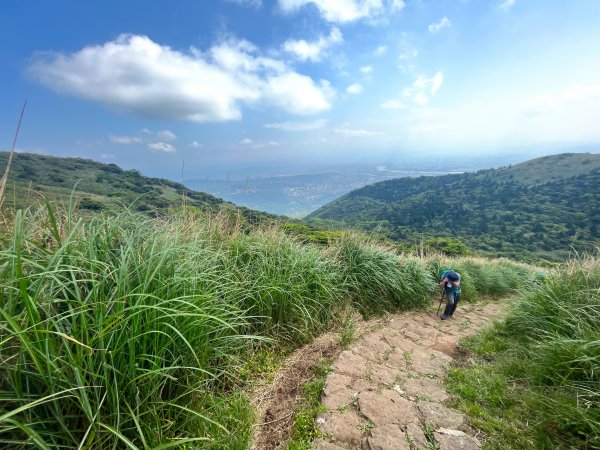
point(451, 274)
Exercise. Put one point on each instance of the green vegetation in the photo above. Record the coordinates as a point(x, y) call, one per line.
point(536, 380)
point(94, 186)
point(121, 330)
point(540, 210)
point(305, 428)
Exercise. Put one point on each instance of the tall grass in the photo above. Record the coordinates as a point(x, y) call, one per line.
point(548, 352)
point(377, 279)
point(559, 328)
point(110, 335)
point(485, 277)
point(120, 331)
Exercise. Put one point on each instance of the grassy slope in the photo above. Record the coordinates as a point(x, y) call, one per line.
point(540, 209)
point(96, 186)
point(533, 382)
point(122, 329)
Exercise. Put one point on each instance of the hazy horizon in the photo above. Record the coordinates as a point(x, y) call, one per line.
point(263, 88)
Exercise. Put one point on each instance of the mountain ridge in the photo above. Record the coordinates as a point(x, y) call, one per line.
point(545, 208)
point(99, 186)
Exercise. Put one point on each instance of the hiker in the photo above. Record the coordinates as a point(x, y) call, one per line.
point(450, 281)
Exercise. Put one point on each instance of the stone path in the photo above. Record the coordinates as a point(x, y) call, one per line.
point(386, 391)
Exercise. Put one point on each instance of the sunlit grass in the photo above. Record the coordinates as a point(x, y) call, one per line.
point(120, 331)
point(537, 384)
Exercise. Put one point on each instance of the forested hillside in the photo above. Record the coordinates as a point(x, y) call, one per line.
point(96, 186)
point(545, 208)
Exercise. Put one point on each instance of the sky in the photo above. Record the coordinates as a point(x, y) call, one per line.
point(187, 88)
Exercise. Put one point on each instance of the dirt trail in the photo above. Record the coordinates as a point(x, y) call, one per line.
point(386, 391)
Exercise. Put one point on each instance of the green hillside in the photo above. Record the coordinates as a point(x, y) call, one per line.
point(545, 208)
point(97, 186)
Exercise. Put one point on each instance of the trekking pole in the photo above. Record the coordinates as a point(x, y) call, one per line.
point(441, 300)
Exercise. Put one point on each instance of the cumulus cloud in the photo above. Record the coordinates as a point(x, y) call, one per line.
point(506, 4)
point(354, 88)
point(139, 76)
point(166, 135)
point(393, 104)
point(161, 147)
point(423, 88)
point(246, 141)
point(397, 5)
point(437, 27)
point(366, 69)
point(338, 11)
point(304, 50)
point(297, 126)
point(196, 144)
point(297, 93)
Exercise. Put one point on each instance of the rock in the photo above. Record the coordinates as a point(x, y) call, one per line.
point(338, 391)
point(450, 442)
point(320, 444)
point(388, 437)
point(425, 387)
point(382, 374)
point(439, 416)
point(415, 435)
point(429, 362)
point(349, 363)
point(387, 407)
point(344, 428)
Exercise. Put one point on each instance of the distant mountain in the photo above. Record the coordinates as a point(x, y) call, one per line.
point(97, 186)
point(545, 208)
point(299, 194)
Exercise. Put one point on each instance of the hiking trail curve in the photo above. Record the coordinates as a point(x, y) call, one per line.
point(386, 390)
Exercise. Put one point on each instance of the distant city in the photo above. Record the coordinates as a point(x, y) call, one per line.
point(298, 194)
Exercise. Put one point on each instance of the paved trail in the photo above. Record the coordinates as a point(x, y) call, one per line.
point(387, 388)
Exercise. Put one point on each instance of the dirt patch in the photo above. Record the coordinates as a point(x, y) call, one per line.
point(276, 403)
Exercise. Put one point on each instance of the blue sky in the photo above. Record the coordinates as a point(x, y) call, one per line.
point(274, 83)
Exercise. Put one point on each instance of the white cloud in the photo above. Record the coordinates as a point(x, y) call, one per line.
point(339, 11)
point(506, 4)
point(166, 135)
point(161, 147)
point(136, 75)
point(349, 132)
point(297, 93)
point(436, 82)
point(423, 88)
point(381, 50)
point(304, 50)
point(251, 3)
point(397, 5)
point(196, 144)
point(437, 27)
point(124, 140)
point(354, 88)
point(366, 69)
point(107, 155)
point(393, 104)
point(246, 141)
point(274, 144)
point(297, 126)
